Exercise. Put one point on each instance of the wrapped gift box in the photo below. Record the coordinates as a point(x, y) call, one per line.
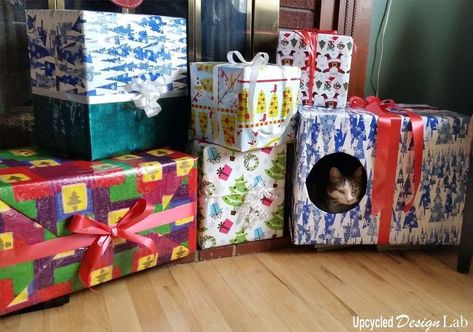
point(97, 131)
point(435, 216)
point(248, 115)
point(241, 194)
point(81, 63)
point(39, 194)
point(331, 66)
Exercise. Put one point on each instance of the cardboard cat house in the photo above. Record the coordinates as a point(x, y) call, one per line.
point(347, 138)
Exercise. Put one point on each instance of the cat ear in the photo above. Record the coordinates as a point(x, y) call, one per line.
point(358, 173)
point(335, 174)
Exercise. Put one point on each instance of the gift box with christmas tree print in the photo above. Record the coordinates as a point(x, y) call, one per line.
point(325, 60)
point(252, 106)
point(247, 203)
point(96, 79)
point(55, 212)
point(428, 193)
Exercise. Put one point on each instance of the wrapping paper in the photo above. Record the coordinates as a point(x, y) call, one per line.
point(241, 195)
point(232, 123)
point(39, 194)
point(333, 63)
point(86, 53)
point(99, 131)
point(436, 215)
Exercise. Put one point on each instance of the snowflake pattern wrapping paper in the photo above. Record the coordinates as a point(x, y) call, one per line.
point(332, 67)
point(437, 212)
point(247, 204)
point(81, 62)
point(39, 194)
point(248, 116)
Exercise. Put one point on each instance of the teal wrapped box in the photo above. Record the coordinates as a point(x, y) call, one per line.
point(98, 130)
point(97, 77)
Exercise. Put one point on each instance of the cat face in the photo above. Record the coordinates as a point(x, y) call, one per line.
point(344, 190)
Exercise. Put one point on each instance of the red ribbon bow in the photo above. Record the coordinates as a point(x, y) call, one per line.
point(123, 229)
point(387, 148)
point(310, 37)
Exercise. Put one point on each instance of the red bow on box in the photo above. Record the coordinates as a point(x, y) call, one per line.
point(387, 148)
point(123, 229)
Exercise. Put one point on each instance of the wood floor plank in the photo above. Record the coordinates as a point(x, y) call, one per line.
point(226, 299)
point(200, 301)
point(270, 287)
point(285, 290)
point(419, 276)
point(172, 300)
point(120, 306)
point(250, 298)
point(147, 306)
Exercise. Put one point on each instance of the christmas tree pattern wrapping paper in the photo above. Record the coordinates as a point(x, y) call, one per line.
point(81, 63)
point(96, 53)
point(332, 66)
point(248, 115)
point(241, 194)
point(39, 194)
point(437, 211)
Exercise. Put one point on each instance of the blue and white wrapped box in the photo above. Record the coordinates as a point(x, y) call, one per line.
point(437, 212)
point(99, 70)
point(91, 53)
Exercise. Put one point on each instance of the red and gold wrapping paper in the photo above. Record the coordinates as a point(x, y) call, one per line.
point(39, 194)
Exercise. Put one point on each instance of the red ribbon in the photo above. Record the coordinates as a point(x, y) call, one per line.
point(98, 236)
point(310, 38)
point(387, 148)
point(104, 234)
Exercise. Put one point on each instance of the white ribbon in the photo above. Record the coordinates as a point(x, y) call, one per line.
point(252, 211)
point(259, 60)
point(149, 93)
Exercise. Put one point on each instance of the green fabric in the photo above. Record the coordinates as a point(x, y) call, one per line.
point(103, 130)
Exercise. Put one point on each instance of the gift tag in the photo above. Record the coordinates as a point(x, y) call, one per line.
point(128, 3)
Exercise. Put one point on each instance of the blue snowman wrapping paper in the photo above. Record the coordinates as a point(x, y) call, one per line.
point(90, 53)
point(437, 212)
point(241, 194)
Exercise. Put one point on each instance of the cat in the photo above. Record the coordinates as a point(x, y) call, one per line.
point(343, 192)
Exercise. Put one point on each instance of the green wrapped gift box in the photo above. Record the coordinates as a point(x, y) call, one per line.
point(97, 131)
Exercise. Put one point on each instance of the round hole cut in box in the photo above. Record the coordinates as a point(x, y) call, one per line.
point(350, 176)
point(325, 138)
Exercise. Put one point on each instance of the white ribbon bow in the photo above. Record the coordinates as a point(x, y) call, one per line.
point(259, 60)
point(149, 93)
point(252, 211)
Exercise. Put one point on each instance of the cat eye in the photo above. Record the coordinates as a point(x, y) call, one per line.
point(341, 191)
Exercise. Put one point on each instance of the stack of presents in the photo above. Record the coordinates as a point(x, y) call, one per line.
point(108, 88)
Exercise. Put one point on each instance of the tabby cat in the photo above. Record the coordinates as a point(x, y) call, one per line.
point(343, 192)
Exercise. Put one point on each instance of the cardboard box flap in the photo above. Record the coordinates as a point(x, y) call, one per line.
point(49, 190)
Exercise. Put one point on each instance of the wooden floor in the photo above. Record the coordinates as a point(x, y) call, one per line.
point(284, 290)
